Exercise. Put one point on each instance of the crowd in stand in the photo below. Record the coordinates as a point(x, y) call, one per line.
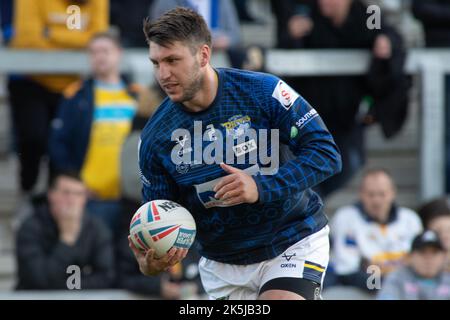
point(87, 131)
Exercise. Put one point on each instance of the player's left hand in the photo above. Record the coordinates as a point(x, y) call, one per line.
point(236, 188)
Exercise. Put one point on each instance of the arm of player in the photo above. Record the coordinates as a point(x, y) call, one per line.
point(303, 131)
point(156, 181)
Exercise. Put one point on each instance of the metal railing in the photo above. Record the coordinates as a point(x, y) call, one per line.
point(430, 65)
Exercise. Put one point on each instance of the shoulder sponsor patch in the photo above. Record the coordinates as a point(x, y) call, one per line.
point(285, 94)
point(303, 121)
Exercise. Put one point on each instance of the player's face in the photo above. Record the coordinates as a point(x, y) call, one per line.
point(377, 194)
point(428, 262)
point(104, 56)
point(178, 70)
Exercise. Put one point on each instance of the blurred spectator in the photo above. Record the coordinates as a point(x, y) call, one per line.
point(423, 278)
point(435, 16)
point(59, 235)
point(43, 25)
point(220, 15)
point(374, 231)
point(243, 12)
point(182, 281)
point(127, 16)
point(293, 19)
point(92, 124)
point(6, 7)
point(397, 13)
point(340, 100)
point(435, 216)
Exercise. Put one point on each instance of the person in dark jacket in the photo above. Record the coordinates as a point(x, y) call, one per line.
point(293, 21)
point(388, 87)
point(92, 124)
point(337, 24)
point(130, 24)
point(435, 16)
point(60, 237)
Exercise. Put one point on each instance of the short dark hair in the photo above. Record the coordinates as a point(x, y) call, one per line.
point(71, 174)
point(439, 207)
point(179, 24)
point(111, 36)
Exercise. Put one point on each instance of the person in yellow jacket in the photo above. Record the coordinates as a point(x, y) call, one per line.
point(45, 25)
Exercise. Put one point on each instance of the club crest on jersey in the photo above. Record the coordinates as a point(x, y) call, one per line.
point(183, 168)
point(285, 94)
point(237, 125)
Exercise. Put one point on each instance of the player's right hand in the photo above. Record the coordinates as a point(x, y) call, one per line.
point(150, 265)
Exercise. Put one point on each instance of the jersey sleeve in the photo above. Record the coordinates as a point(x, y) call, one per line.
point(156, 182)
point(316, 156)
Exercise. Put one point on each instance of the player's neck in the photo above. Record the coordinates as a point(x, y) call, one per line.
point(206, 95)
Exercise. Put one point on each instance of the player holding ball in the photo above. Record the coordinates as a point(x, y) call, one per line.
point(261, 233)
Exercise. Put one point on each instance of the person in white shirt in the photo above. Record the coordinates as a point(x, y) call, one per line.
point(374, 231)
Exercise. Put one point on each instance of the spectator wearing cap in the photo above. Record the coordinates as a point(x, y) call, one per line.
point(435, 216)
point(424, 278)
point(373, 231)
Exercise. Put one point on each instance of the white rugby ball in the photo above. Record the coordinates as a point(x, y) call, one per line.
point(161, 225)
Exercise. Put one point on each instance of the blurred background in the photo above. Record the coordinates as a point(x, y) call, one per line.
point(379, 76)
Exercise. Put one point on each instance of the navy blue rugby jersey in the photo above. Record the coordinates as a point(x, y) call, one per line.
point(180, 153)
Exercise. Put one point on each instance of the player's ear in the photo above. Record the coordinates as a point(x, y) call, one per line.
point(205, 55)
